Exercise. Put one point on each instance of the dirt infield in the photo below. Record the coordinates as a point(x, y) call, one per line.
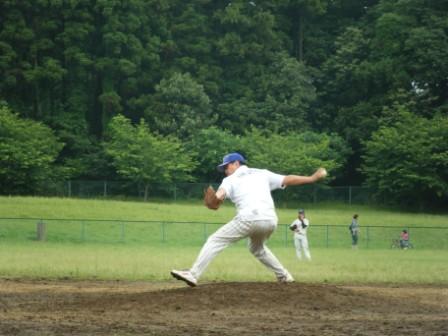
point(170, 308)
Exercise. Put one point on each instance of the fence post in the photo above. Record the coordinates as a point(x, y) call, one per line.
point(105, 189)
point(175, 192)
point(205, 232)
point(409, 233)
point(41, 231)
point(286, 235)
point(69, 185)
point(368, 236)
point(327, 236)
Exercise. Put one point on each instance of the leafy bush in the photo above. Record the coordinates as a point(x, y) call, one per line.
point(293, 153)
point(28, 150)
point(144, 157)
point(407, 161)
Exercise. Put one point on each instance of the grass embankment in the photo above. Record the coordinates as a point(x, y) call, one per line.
point(323, 213)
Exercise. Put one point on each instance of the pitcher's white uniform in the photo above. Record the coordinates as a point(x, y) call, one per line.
point(256, 219)
point(300, 238)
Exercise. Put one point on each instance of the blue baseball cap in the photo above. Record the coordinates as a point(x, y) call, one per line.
point(229, 158)
point(301, 211)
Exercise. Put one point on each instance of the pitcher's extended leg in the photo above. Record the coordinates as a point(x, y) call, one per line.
point(258, 248)
point(218, 241)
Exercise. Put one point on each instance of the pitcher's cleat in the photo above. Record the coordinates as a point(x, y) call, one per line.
point(185, 276)
point(285, 278)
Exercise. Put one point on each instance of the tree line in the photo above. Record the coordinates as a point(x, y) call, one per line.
point(159, 90)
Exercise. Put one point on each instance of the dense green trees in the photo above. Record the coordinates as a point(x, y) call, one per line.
point(406, 160)
point(286, 71)
point(144, 157)
point(180, 107)
point(290, 153)
point(28, 150)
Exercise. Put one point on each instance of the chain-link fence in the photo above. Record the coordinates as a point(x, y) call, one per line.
point(155, 233)
point(185, 191)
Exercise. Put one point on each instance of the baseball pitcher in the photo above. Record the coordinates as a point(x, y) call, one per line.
point(250, 190)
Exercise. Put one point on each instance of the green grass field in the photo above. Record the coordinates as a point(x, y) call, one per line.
point(106, 262)
point(125, 247)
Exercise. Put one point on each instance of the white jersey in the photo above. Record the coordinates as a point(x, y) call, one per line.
point(300, 229)
point(250, 190)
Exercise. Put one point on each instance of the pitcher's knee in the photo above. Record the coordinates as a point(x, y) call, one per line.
point(217, 239)
point(257, 252)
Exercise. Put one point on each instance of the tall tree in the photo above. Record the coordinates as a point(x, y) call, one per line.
point(381, 57)
point(144, 157)
point(280, 101)
point(32, 66)
point(180, 107)
point(300, 13)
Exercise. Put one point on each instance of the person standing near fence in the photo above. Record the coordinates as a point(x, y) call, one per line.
point(354, 231)
point(300, 228)
point(404, 239)
point(250, 190)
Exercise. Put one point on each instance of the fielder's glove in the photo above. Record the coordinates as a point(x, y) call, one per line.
point(210, 199)
point(293, 227)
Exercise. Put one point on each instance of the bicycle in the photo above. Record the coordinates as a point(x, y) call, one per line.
point(396, 244)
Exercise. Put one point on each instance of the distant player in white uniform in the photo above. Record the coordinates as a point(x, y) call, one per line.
point(256, 219)
point(300, 227)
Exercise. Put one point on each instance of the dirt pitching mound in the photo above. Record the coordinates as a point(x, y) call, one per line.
point(170, 308)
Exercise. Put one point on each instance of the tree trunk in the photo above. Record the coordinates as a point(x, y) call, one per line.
point(37, 107)
point(300, 38)
point(146, 191)
point(94, 114)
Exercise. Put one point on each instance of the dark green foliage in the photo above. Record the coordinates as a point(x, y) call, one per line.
point(144, 157)
point(180, 107)
point(208, 147)
point(225, 68)
point(82, 156)
point(28, 150)
point(406, 162)
point(294, 153)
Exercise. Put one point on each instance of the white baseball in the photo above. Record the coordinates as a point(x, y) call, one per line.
point(324, 172)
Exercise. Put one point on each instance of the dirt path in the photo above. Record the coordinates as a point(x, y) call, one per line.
point(170, 308)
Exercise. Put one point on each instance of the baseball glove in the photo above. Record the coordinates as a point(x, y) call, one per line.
point(293, 227)
point(210, 199)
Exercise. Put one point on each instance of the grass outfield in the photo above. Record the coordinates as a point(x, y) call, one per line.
point(142, 255)
point(106, 262)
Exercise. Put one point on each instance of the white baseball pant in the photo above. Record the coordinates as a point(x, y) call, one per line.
point(257, 232)
point(301, 244)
